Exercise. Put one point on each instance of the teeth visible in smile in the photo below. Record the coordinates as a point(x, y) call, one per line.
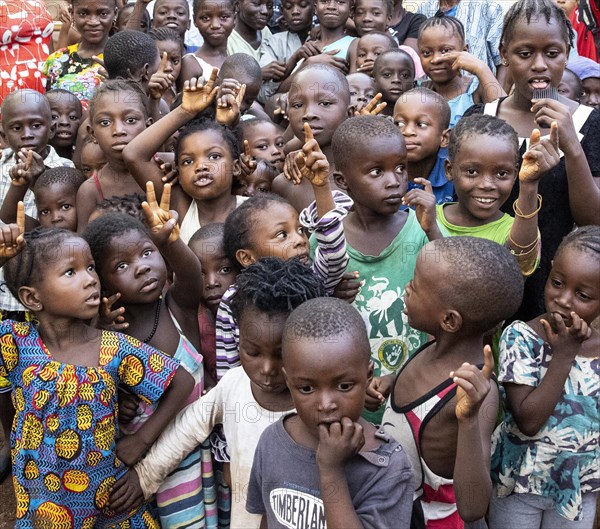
point(484, 200)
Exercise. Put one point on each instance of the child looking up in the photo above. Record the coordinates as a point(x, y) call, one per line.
point(332, 464)
point(483, 177)
point(118, 113)
point(323, 107)
point(394, 74)
point(66, 113)
point(215, 19)
point(67, 417)
point(75, 68)
point(444, 54)
point(545, 459)
point(268, 291)
point(26, 129)
point(424, 117)
point(383, 240)
point(443, 406)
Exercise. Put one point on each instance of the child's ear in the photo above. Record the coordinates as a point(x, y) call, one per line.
point(350, 111)
point(340, 181)
point(245, 257)
point(448, 169)
point(452, 321)
point(30, 299)
point(52, 131)
point(445, 138)
point(370, 372)
point(90, 131)
point(237, 168)
point(503, 55)
point(466, 47)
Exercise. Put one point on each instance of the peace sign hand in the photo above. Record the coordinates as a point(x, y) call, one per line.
point(373, 107)
point(247, 161)
point(473, 385)
point(161, 221)
point(543, 154)
point(197, 96)
point(12, 240)
point(160, 81)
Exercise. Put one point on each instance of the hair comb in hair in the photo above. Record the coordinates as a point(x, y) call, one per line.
point(545, 93)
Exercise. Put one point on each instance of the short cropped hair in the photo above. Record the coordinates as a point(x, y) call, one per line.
point(67, 176)
point(239, 66)
point(342, 87)
point(427, 94)
point(210, 231)
point(127, 52)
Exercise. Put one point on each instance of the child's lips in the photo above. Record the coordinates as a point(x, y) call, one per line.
point(203, 181)
point(149, 285)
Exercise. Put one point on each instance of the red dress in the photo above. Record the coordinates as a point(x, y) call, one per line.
point(586, 47)
point(25, 31)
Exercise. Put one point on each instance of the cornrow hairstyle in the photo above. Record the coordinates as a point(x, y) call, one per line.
point(450, 23)
point(199, 3)
point(129, 204)
point(27, 268)
point(428, 95)
point(100, 233)
point(533, 9)
point(239, 225)
point(274, 286)
point(165, 34)
point(481, 125)
point(203, 124)
point(351, 134)
point(67, 176)
point(322, 320)
point(389, 53)
point(127, 52)
point(384, 34)
point(116, 88)
point(584, 238)
point(483, 281)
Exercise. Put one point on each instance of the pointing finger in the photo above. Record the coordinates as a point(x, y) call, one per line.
point(488, 362)
point(554, 134)
point(241, 94)
point(28, 160)
point(247, 149)
point(21, 216)
point(535, 136)
point(308, 133)
point(163, 62)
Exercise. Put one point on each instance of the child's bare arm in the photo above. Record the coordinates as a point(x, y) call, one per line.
point(139, 153)
point(188, 285)
point(524, 238)
point(338, 443)
point(584, 194)
point(532, 406)
point(476, 412)
point(11, 236)
point(131, 448)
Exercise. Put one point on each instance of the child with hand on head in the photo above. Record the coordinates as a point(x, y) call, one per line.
point(269, 226)
point(545, 453)
point(483, 176)
point(170, 43)
point(66, 113)
point(75, 68)
point(118, 113)
point(26, 129)
point(332, 465)
point(64, 449)
point(444, 56)
point(443, 404)
point(215, 20)
point(132, 265)
point(423, 117)
point(323, 107)
point(383, 239)
point(268, 291)
point(394, 74)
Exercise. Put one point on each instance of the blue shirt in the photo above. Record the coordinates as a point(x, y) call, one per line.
point(443, 189)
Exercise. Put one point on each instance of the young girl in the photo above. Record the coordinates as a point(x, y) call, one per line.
point(215, 20)
point(118, 113)
point(133, 275)
point(168, 41)
point(75, 68)
point(535, 46)
point(483, 164)
point(64, 375)
point(443, 53)
point(206, 155)
point(268, 291)
point(545, 453)
point(269, 226)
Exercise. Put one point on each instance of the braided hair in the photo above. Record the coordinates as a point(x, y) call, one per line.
point(450, 23)
point(584, 238)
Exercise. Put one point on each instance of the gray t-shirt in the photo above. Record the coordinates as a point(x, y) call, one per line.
point(284, 484)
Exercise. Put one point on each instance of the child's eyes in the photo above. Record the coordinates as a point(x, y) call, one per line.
point(186, 161)
point(91, 268)
point(121, 266)
point(305, 389)
point(525, 54)
point(44, 212)
point(74, 117)
point(262, 146)
point(104, 122)
point(325, 103)
point(400, 168)
point(70, 272)
point(425, 53)
point(131, 120)
point(175, 62)
point(54, 117)
point(225, 270)
point(263, 189)
point(215, 156)
point(583, 296)
point(375, 172)
point(345, 386)
point(401, 124)
point(556, 283)
point(66, 207)
point(281, 235)
point(296, 105)
point(147, 253)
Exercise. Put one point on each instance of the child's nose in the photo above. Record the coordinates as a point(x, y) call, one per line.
point(327, 402)
point(212, 280)
point(539, 63)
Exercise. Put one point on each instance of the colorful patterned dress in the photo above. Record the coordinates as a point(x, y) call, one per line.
point(63, 436)
point(67, 70)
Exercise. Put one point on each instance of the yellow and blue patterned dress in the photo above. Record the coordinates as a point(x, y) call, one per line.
point(65, 427)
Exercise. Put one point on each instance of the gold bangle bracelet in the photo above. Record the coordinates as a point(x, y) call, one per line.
point(520, 214)
point(526, 246)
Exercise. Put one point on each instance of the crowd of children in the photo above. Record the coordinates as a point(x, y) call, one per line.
point(339, 269)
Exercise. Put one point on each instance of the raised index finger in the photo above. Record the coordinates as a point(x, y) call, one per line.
point(247, 148)
point(308, 133)
point(165, 200)
point(488, 362)
point(535, 137)
point(21, 216)
point(163, 62)
point(28, 160)
point(554, 133)
point(212, 78)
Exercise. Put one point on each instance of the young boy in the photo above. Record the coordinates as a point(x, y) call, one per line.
point(443, 406)
point(66, 117)
point(424, 117)
point(325, 465)
point(26, 128)
point(588, 72)
point(319, 96)
point(394, 74)
point(383, 240)
point(362, 90)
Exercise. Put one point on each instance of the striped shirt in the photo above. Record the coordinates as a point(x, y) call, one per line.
point(329, 264)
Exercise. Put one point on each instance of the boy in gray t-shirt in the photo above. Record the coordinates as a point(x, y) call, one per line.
point(325, 465)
